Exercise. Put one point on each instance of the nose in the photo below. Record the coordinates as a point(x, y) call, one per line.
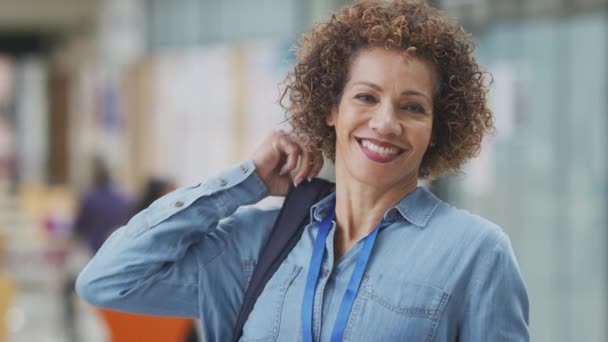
point(385, 122)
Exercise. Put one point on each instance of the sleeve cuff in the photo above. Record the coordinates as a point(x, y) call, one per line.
point(228, 190)
point(239, 185)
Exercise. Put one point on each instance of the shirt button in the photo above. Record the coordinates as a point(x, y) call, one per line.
point(244, 168)
point(222, 182)
point(179, 204)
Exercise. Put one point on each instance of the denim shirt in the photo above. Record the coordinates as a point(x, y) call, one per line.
point(436, 273)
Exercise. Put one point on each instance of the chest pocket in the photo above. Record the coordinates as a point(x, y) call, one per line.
point(264, 320)
point(387, 309)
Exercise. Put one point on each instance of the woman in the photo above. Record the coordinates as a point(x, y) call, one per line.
point(391, 93)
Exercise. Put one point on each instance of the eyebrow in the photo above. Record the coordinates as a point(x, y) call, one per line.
point(406, 92)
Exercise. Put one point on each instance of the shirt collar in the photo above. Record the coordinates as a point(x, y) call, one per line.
point(417, 207)
point(320, 209)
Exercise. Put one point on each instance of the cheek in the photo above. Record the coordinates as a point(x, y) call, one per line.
point(427, 134)
point(419, 128)
point(342, 134)
point(421, 135)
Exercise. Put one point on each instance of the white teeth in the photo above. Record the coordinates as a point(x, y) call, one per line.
point(379, 149)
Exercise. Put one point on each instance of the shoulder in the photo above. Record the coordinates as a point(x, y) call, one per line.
point(468, 230)
point(478, 249)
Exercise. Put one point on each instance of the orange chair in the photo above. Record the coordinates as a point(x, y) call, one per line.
point(8, 290)
point(126, 327)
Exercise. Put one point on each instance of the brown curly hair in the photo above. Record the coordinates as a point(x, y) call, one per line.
point(461, 116)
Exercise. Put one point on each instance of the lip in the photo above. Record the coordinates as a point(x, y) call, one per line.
point(375, 156)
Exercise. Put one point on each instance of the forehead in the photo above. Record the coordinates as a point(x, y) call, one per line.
point(397, 69)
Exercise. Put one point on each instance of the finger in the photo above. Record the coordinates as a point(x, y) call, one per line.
point(290, 164)
point(306, 165)
point(292, 151)
point(318, 166)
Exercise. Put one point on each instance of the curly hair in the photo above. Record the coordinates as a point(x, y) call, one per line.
point(324, 55)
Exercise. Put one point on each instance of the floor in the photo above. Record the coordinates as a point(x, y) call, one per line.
point(36, 315)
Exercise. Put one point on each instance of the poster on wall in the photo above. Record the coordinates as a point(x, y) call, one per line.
point(193, 113)
point(266, 65)
point(213, 105)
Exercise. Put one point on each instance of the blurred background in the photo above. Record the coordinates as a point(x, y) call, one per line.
point(121, 100)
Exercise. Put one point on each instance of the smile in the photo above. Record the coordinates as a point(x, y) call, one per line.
point(378, 151)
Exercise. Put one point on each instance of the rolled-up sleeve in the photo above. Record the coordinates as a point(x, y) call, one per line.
point(152, 265)
point(497, 302)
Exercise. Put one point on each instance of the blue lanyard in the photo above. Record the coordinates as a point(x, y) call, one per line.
point(313, 277)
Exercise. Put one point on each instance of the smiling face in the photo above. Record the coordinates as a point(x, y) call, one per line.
point(384, 119)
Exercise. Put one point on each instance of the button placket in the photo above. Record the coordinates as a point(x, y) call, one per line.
point(317, 311)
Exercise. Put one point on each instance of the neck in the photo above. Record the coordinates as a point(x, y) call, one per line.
point(360, 206)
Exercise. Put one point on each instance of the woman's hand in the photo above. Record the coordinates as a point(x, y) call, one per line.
point(281, 158)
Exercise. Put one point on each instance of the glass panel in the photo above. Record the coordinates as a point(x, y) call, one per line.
point(544, 178)
point(536, 6)
point(192, 22)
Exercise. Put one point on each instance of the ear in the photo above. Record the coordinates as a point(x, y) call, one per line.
point(332, 117)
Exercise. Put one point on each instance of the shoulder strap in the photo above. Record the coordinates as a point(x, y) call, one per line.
point(285, 233)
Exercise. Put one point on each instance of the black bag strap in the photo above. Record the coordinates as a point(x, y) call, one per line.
point(285, 233)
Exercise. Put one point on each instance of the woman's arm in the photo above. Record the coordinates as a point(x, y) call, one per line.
point(497, 302)
point(171, 258)
point(152, 265)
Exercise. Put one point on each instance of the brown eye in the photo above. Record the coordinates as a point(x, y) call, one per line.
point(414, 108)
point(367, 98)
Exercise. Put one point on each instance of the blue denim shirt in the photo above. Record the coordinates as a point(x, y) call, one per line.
point(436, 273)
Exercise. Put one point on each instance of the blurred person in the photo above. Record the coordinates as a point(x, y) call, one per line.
point(391, 93)
point(155, 188)
point(103, 208)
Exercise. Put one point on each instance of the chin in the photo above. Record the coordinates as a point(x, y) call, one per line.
point(378, 175)
point(393, 175)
